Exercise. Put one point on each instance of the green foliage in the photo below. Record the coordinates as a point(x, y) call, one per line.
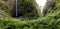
point(58, 4)
point(51, 21)
point(28, 9)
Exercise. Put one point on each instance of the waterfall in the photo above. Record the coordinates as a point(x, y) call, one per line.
point(16, 9)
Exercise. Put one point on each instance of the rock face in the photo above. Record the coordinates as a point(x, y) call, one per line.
point(49, 4)
point(4, 15)
point(26, 8)
point(3, 4)
point(7, 4)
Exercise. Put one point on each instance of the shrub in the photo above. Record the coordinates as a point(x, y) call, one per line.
point(51, 21)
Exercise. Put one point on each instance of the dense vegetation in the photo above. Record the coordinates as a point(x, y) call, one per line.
point(26, 9)
point(50, 21)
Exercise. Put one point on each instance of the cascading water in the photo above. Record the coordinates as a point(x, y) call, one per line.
point(16, 9)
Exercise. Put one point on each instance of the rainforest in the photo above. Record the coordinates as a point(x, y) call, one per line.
point(29, 14)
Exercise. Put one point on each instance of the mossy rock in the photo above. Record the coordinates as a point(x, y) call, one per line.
point(27, 9)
